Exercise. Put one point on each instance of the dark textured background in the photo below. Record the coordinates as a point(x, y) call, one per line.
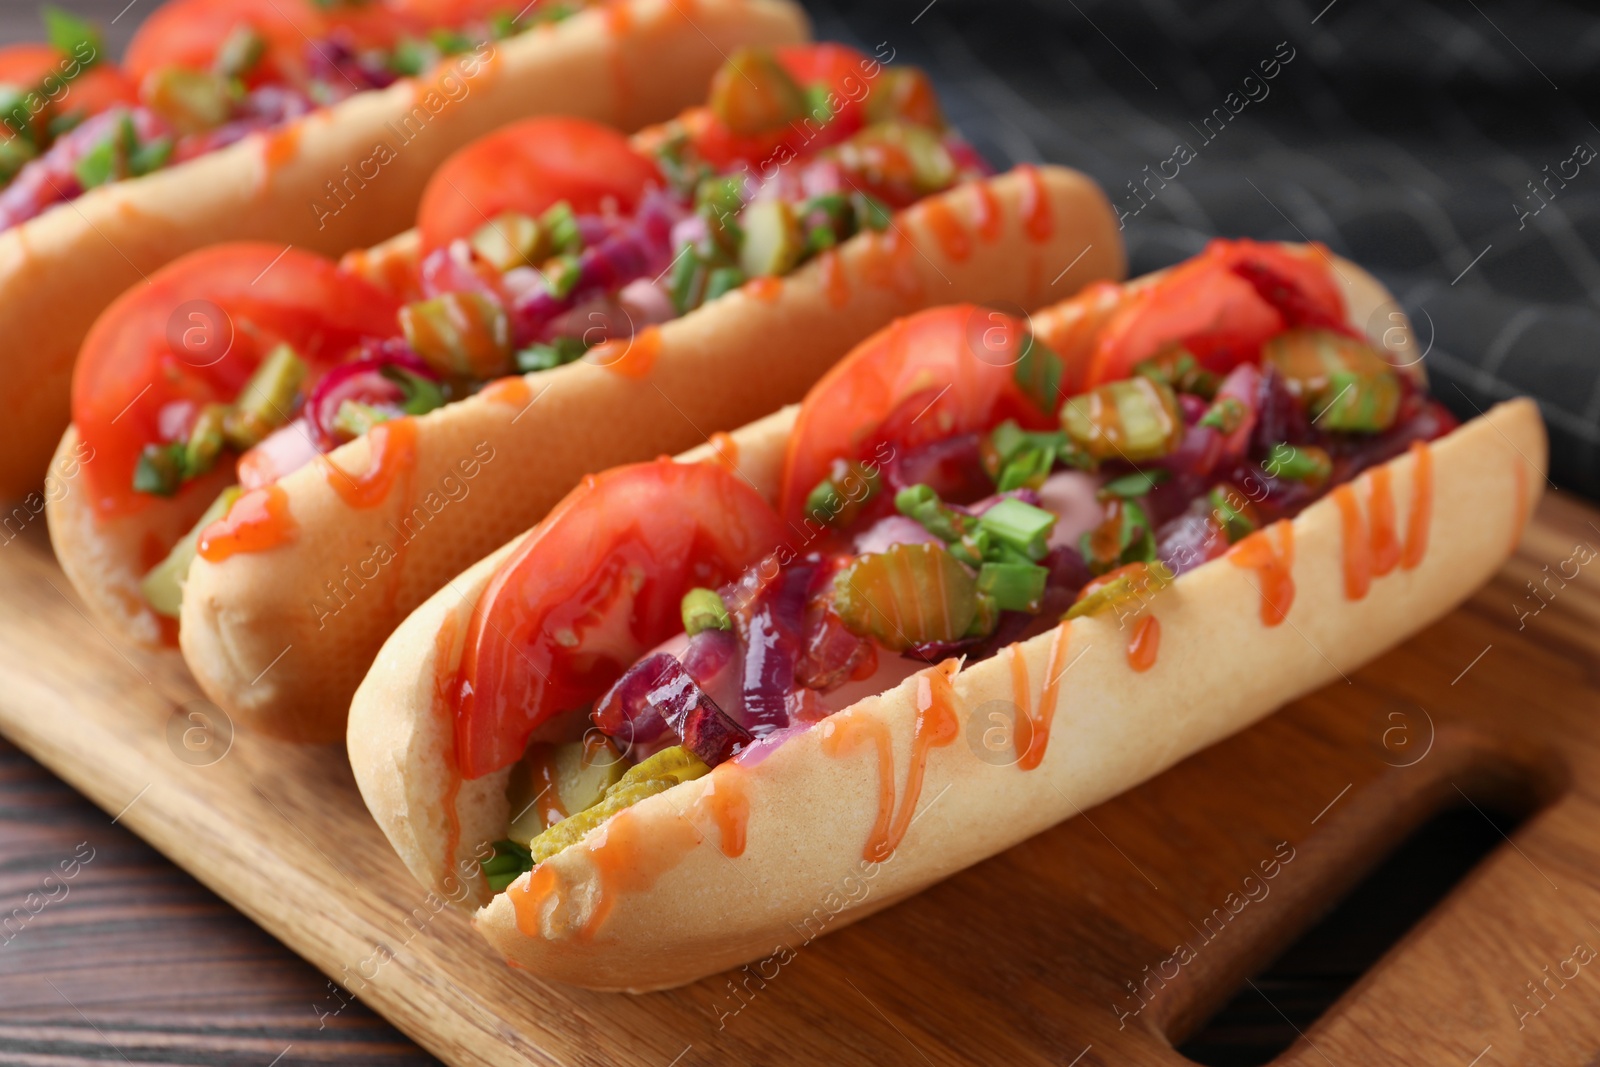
point(1401, 134)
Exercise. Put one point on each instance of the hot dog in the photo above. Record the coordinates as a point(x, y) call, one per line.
point(998, 568)
point(693, 277)
point(293, 121)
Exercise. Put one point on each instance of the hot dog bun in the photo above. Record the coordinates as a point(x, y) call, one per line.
point(720, 366)
point(810, 813)
point(626, 63)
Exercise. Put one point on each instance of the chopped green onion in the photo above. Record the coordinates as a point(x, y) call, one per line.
point(160, 469)
point(551, 354)
point(421, 394)
point(1134, 485)
point(265, 402)
point(871, 212)
point(1307, 463)
point(410, 57)
point(1228, 510)
point(561, 225)
point(1014, 586)
point(561, 275)
point(450, 42)
point(69, 34)
point(1178, 368)
point(722, 280)
point(838, 498)
point(1019, 525)
point(1225, 415)
point(703, 609)
point(205, 442)
point(1125, 537)
point(922, 503)
point(354, 419)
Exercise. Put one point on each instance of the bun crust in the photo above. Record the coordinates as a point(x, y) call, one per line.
point(60, 270)
point(811, 813)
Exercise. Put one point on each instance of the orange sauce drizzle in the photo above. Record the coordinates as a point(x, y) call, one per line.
point(1038, 221)
point(1033, 737)
point(632, 358)
point(1421, 514)
point(986, 211)
point(1380, 513)
point(280, 146)
point(393, 453)
point(1357, 549)
point(887, 264)
point(937, 726)
point(527, 897)
point(726, 801)
point(842, 735)
point(1273, 568)
point(834, 284)
point(259, 520)
point(764, 289)
point(1144, 644)
point(954, 240)
point(726, 449)
point(547, 798)
point(513, 391)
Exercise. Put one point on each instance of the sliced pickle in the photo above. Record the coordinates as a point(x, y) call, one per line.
point(907, 596)
point(752, 93)
point(511, 239)
point(772, 242)
point(660, 772)
point(266, 400)
point(1343, 383)
point(163, 585)
point(461, 334)
point(1133, 419)
point(559, 780)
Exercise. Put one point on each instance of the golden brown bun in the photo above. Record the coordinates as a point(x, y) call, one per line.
point(60, 270)
point(297, 610)
point(810, 814)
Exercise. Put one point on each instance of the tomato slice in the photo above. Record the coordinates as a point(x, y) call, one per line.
point(1209, 308)
point(102, 86)
point(24, 66)
point(194, 334)
point(187, 33)
point(937, 373)
point(528, 166)
point(596, 585)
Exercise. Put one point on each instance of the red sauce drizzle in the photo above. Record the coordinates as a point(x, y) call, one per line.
point(1038, 220)
point(726, 449)
point(1380, 513)
point(986, 211)
point(633, 358)
point(1357, 549)
point(1144, 644)
point(887, 264)
point(834, 284)
point(513, 391)
point(954, 240)
point(259, 520)
point(765, 289)
point(393, 453)
point(1421, 514)
point(547, 798)
point(1273, 568)
point(1033, 731)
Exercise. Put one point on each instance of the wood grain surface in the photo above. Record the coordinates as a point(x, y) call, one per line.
point(1032, 958)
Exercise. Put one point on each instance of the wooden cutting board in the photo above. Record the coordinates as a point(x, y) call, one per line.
point(1106, 940)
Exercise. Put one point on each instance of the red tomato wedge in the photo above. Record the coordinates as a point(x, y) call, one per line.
point(1205, 305)
point(24, 66)
point(195, 333)
point(939, 372)
point(528, 166)
point(843, 70)
point(592, 588)
point(187, 33)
